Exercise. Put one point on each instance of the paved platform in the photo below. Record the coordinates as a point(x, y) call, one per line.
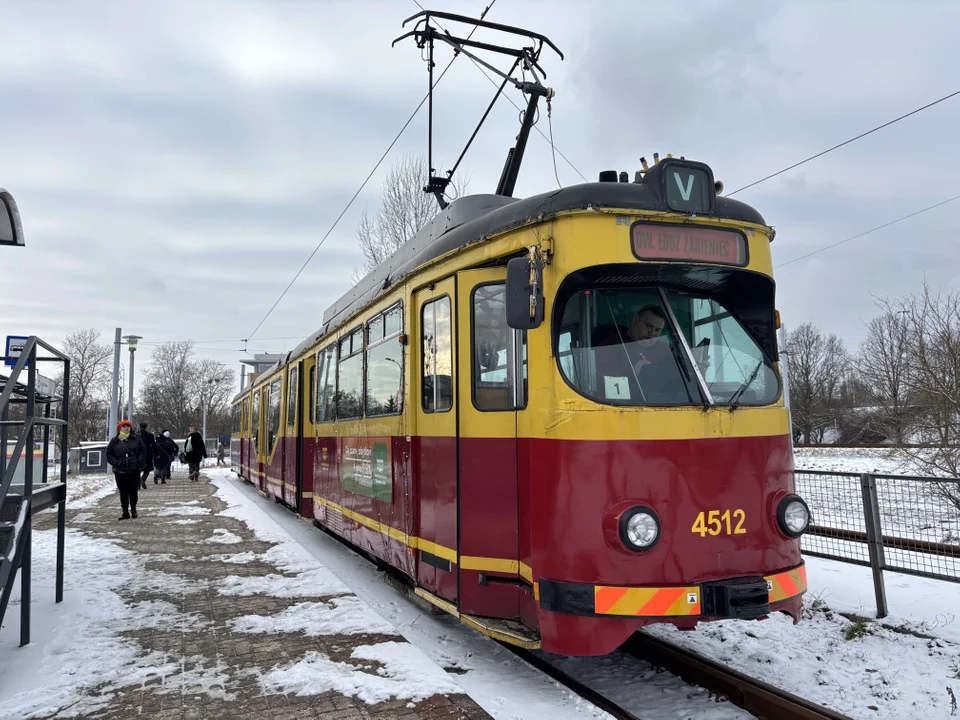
point(232, 628)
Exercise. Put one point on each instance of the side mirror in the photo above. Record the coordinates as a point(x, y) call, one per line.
point(524, 293)
point(11, 233)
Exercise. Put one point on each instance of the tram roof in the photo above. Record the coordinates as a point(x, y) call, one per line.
point(474, 218)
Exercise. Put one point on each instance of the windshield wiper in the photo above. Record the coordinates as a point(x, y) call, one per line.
point(735, 398)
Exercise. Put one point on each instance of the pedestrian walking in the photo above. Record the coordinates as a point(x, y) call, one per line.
point(195, 451)
point(220, 452)
point(150, 443)
point(166, 452)
point(127, 455)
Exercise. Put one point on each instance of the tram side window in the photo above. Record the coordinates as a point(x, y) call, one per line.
point(273, 414)
point(437, 356)
point(384, 365)
point(349, 395)
point(327, 384)
point(293, 378)
point(244, 427)
point(495, 348)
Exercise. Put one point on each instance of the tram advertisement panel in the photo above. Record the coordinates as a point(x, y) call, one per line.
point(367, 468)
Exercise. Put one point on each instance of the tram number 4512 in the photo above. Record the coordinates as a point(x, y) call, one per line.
point(714, 522)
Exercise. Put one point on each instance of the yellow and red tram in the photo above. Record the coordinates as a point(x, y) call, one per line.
point(559, 417)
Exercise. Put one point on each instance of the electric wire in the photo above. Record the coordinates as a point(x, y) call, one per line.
point(362, 185)
point(867, 232)
point(846, 142)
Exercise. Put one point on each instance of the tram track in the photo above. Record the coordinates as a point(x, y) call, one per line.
point(755, 696)
point(571, 683)
point(761, 699)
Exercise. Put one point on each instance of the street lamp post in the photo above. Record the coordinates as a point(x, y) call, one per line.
point(132, 344)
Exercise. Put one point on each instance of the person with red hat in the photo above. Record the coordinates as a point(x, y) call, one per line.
point(127, 454)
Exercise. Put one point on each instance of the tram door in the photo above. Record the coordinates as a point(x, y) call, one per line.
point(291, 443)
point(256, 457)
point(492, 387)
point(435, 443)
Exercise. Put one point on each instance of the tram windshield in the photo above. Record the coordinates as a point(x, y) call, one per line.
point(624, 347)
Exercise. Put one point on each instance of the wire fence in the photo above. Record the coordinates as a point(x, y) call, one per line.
point(899, 523)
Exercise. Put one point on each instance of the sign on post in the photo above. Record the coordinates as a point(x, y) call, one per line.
point(46, 386)
point(15, 345)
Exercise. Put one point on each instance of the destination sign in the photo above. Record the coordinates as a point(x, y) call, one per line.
point(655, 241)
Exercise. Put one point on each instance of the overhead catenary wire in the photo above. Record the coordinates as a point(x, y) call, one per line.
point(362, 185)
point(846, 142)
point(867, 232)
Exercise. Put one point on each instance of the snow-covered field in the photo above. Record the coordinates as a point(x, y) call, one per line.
point(905, 666)
point(910, 509)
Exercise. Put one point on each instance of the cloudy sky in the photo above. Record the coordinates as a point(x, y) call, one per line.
point(176, 162)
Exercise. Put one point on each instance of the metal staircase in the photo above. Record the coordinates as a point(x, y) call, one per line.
point(20, 501)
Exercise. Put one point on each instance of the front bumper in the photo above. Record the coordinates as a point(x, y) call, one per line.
point(747, 597)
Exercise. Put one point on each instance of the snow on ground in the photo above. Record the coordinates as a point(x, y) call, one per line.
point(77, 643)
point(310, 583)
point(224, 537)
point(86, 491)
point(853, 460)
point(340, 615)
point(860, 668)
point(176, 510)
point(404, 675)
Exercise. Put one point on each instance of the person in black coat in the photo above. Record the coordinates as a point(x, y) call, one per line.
point(166, 451)
point(150, 443)
point(195, 450)
point(127, 455)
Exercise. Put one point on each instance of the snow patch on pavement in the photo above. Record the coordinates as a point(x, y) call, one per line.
point(338, 616)
point(318, 582)
point(406, 674)
point(224, 537)
point(180, 509)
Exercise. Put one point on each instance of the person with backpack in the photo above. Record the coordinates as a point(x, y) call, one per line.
point(150, 443)
point(127, 456)
point(166, 452)
point(195, 451)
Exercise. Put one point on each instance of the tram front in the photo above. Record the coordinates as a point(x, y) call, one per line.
point(658, 462)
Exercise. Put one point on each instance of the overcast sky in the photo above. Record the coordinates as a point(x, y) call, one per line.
point(176, 162)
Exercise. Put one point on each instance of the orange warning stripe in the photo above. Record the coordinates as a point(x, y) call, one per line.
point(788, 584)
point(680, 601)
point(646, 602)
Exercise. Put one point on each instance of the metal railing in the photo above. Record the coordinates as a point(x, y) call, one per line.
point(19, 503)
point(899, 523)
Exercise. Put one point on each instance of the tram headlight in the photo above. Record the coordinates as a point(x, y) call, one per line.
point(639, 528)
point(793, 516)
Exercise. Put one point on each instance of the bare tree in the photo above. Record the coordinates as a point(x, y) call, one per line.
point(934, 379)
point(404, 209)
point(175, 385)
point(90, 373)
point(818, 365)
point(884, 363)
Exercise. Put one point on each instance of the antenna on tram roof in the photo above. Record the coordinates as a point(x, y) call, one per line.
point(526, 58)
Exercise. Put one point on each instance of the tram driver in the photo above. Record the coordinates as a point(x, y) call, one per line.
point(637, 363)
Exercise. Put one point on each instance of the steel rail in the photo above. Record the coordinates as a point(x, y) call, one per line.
point(755, 696)
point(572, 684)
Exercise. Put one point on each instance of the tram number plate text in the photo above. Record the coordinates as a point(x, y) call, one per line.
point(714, 522)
